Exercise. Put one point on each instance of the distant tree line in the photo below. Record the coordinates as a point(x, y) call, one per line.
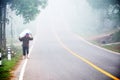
point(111, 10)
point(111, 7)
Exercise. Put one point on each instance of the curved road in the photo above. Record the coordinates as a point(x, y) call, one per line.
point(59, 54)
point(63, 56)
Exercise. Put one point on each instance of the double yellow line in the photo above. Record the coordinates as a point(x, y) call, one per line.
point(85, 60)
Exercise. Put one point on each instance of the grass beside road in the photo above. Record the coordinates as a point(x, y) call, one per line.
point(8, 66)
point(113, 47)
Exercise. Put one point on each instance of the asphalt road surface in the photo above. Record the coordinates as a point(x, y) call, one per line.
point(59, 54)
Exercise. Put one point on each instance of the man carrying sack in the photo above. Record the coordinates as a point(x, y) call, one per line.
point(25, 44)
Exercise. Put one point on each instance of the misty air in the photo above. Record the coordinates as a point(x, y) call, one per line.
point(59, 39)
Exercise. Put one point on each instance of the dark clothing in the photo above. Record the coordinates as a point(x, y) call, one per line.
point(25, 50)
point(25, 44)
point(25, 41)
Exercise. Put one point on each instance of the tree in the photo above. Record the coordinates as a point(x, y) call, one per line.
point(2, 24)
point(111, 13)
point(116, 36)
point(28, 9)
point(98, 4)
point(112, 9)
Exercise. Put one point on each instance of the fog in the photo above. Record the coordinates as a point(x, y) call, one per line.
point(76, 14)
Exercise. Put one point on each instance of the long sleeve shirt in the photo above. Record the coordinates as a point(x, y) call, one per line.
point(25, 41)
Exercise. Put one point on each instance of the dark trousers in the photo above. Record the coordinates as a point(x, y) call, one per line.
point(25, 50)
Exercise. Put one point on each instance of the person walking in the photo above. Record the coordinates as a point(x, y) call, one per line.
point(25, 44)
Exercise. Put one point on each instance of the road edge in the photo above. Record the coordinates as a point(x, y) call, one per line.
point(113, 52)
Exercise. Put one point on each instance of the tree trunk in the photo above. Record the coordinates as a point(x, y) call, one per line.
point(2, 26)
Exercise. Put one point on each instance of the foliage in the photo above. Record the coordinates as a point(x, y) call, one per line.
point(28, 9)
point(116, 37)
point(98, 4)
point(8, 66)
point(112, 13)
point(113, 47)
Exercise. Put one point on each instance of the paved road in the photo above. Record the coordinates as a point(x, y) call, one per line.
point(61, 55)
point(58, 54)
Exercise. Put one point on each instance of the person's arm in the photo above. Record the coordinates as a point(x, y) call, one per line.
point(21, 39)
point(30, 38)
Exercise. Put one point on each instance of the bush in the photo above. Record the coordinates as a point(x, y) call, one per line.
point(8, 66)
point(116, 36)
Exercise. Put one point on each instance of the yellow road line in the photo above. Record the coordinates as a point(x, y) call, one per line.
point(86, 61)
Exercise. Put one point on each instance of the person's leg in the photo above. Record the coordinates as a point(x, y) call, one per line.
point(27, 49)
point(24, 52)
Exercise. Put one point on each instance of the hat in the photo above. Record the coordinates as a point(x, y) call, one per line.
point(27, 33)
